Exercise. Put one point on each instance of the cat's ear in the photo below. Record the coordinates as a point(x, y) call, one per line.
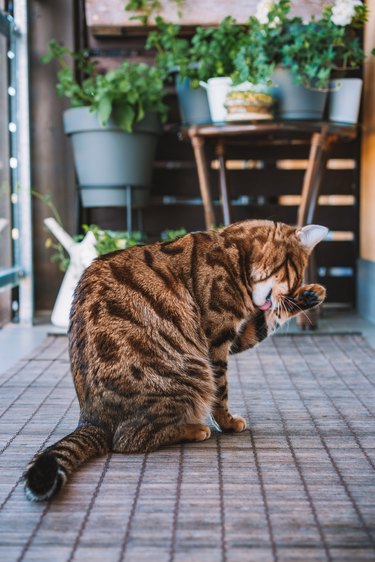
point(310, 235)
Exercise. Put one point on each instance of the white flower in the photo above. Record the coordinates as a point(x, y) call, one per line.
point(263, 9)
point(343, 11)
point(276, 21)
point(121, 243)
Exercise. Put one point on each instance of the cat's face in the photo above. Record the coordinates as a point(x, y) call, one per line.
point(280, 265)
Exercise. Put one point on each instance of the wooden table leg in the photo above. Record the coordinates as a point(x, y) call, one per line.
point(220, 152)
point(204, 184)
point(320, 145)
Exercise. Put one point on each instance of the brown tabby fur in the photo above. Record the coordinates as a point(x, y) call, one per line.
point(151, 330)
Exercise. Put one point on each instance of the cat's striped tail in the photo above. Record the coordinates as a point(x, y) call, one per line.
point(49, 470)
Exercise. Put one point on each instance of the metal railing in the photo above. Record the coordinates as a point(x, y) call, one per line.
point(16, 274)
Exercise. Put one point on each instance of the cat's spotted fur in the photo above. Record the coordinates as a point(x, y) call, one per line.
point(151, 330)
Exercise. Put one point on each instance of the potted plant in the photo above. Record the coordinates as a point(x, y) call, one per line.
point(296, 56)
point(215, 50)
point(113, 125)
point(347, 17)
point(173, 56)
point(306, 54)
point(207, 61)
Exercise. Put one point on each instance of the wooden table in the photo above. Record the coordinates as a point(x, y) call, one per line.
point(320, 135)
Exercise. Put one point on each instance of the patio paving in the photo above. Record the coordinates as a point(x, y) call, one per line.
point(297, 486)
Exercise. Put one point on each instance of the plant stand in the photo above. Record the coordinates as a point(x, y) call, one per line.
point(129, 208)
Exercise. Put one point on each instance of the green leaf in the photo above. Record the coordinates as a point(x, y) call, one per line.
point(104, 110)
point(125, 117)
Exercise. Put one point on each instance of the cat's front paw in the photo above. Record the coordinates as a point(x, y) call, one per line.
point(310, 296)
point(227, 422)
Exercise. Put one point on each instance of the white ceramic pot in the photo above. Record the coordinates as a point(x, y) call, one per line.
point(345, 99)
point(217, 89)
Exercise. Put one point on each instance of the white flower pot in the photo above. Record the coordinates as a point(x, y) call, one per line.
point(217, 89)
point(345, 100)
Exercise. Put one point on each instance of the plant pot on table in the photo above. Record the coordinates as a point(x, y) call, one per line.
point(345, 100)
point(217, 89)
point(296, 101)
point(108, 160)
point(192, 103)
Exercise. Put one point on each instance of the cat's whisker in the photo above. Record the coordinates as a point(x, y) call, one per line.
point(300, 309)
point(285, 310)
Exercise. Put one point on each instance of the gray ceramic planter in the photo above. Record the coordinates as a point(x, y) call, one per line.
point(297, 102)
point(345, 100)
point(192, 103)
point(107, 159)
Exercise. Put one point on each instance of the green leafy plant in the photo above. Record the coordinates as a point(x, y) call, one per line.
point(172, 51)
point(319, 47)
point(112, 240)
point(261, 45)
point(106, 241)
point(169, 235)
point(215, 48)
point(211, 52)
point(147, 8)
point(311, 49)
point(310, 55)
point(346, 42)
point(123, 94)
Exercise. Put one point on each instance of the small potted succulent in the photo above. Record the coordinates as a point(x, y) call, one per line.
point(113, 124)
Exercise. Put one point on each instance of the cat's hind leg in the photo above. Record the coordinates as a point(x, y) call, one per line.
point(133, 437)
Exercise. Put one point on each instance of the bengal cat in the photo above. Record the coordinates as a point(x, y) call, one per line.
point(151, 329)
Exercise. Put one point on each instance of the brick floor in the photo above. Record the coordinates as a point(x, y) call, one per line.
point(297, 486)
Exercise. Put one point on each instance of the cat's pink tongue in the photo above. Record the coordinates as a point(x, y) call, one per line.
point(266, 305)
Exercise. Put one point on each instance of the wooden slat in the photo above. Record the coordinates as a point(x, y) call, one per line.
point(184, 182)
point(108, 17)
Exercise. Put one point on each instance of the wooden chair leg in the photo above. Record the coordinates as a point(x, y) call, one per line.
point(204, 183)
point(220, 152)
point(320, 145)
